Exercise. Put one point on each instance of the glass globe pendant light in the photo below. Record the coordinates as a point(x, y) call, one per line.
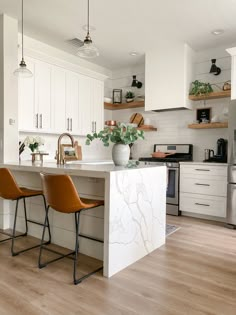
point(22, 71)
point(88, 50)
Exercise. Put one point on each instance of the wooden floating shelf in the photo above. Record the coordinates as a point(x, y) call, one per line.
point(210, 96)
point(209, 125)
point(123, 105)
point(147, 128)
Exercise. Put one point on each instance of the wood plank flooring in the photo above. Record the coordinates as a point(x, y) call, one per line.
point(194, 273)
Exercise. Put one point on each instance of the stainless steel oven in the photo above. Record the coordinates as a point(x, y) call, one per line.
point(172, 187)
point(173, 154)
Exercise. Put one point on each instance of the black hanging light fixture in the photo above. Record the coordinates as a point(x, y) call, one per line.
point(22, 71)
point(214, 69)
point(88, 50)
point(136, 83)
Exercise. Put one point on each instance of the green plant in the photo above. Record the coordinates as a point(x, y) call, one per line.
point(122, 133)
point(129, 94)
point(199, 88)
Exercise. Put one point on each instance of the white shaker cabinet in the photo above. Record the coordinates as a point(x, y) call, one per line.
point(43, 95)
point(58, 92)
point(72, 102)
point(26, 100)
point(169, 71)
point(91, 111)
point(35, 98)
point(57, 100)
point(203, 189)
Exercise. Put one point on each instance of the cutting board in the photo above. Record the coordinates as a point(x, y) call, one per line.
point(137, 118)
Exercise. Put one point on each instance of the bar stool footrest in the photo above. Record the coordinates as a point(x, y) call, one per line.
point(56, 259)
point(77, 281)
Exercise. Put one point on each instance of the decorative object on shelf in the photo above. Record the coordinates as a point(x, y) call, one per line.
point(137, 118)
point(22, 71)
point(88, 50)
point(214, 69)
point(199, 88)
point(33, 143)
point(117, 96)
point(129, 96)
point(108, 100)
point(122, 136)
point(136, 83)
point(227, 86)
point(203, 115)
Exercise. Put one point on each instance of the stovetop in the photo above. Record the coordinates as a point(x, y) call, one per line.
point(172, 158)
point(183, 152)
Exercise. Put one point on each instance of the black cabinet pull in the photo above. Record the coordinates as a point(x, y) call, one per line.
point(202, 204)
point(202, 184)
point(201, 169)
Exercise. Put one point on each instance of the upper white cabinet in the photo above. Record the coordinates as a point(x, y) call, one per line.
point(58, 100)
point(232, 52)
point(169, 71)
point(91, 112)
point(26, 100)
point(43, 95)
point(35, 98)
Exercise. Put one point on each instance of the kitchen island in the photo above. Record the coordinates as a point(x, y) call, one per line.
point(131, 223)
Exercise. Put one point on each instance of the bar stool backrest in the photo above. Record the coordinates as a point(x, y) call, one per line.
point(8, 186)
point(60, 193)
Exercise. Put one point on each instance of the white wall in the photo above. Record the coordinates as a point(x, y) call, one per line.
point(172, 125)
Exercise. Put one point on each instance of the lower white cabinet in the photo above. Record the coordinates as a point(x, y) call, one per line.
point(203, 189)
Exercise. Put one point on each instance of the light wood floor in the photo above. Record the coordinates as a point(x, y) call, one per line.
point(194, 273)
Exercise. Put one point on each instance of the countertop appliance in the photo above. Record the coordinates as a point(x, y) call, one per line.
point(231, 193)
point(178, 153)
point(221, 152)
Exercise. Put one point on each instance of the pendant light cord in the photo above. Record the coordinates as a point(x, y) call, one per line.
point(88, 17)
point(22, 29)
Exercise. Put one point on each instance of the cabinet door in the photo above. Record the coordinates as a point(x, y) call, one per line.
point(72, 102)
point(58, 94)
point(26, 99)
point(85, 109)
point(97, 105)
point(43, 94)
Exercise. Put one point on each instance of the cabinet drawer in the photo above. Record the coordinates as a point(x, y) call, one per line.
point(200, 185)
point(207, 170)
point(202, 204)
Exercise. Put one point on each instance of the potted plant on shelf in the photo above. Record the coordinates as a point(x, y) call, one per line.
point(129, 96)
point(122, 136)
point(199, 88)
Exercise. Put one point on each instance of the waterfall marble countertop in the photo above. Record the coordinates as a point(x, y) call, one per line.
point(134, 215)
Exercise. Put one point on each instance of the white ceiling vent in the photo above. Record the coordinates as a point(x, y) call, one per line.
point(75, 42)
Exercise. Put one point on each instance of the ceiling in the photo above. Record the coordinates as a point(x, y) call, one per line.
point(123, 26)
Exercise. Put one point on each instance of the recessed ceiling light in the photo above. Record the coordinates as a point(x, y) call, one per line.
point(134, 53)
point(91, 28)
point(217, 32)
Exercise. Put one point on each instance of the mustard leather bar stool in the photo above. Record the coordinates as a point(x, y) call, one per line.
point(11, 191)
point(62, 196)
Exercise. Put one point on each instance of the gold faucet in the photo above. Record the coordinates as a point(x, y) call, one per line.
point(60, 160)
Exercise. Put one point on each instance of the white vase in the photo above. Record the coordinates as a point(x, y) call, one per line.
point(120, 154)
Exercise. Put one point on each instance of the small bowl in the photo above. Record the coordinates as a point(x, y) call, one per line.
point(107, 100)
point(110, 123)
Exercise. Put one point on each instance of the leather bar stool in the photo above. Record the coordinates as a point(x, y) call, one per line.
point(11, 191)
point(62, 196)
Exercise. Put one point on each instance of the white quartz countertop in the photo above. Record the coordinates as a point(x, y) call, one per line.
point(203, 163)
point(98, 169)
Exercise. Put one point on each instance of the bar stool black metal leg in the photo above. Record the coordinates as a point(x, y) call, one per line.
point(77, 216)
point(40, 265)
point(26, 220)
point(48, 225)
